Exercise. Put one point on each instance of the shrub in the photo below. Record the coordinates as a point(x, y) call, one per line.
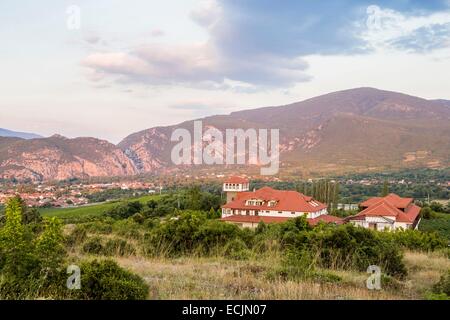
point(118, 247)
point(443, 286)
point(177, 234)
point(127, 228)
point(77, 236)
point(101, 227)
point(213, 234)
point(345, 247)
point(105, 280)
point(93, 246)
point(295, 265)
point(236, 249)
point(125, 210)
point(50, 245)
point(427, 213)
point(417, 240)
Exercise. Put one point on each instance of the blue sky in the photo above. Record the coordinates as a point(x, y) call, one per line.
point(131, 65)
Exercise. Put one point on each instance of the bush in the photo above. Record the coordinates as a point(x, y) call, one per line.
point(295, 265)
point(443, 286)
point(100, 227)
point(125, 210)
point(127, 228)
point(417, 240)
point(427, 213)
point(77, 236)
point(215, 234)
point(118, 247)
point(342, 247)
point(236, 249)
point(436, 206)
point(93, 246)
point(105, 280)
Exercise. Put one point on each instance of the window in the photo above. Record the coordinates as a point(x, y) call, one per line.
point(280, 211)
point(293, 212)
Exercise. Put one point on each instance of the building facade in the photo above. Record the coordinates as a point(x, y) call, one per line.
point(387, 213)
point(249, 208)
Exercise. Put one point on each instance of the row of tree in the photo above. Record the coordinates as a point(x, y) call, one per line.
point(323, 190)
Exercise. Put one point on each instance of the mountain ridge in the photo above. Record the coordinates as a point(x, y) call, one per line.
point(351, 130)
point(18, 134)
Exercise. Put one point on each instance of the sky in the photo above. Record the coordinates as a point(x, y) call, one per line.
point(108, 68)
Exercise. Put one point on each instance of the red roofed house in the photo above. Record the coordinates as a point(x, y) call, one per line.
point(388, 213)
point(248, 208)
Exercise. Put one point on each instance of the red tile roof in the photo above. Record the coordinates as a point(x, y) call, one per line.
point(390, 206)
point(326, 218)
point(285, 201)
point(236, 179)
point(392, 198)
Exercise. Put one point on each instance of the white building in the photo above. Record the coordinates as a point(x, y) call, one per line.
point(248, 208)
point(388, 213)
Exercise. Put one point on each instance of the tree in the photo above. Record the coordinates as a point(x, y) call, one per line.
point(31, 216)
point(336, 195)
point(436, 206)
point(385, 191)
point(426, 213)
point(14, 246)
point(50, 245)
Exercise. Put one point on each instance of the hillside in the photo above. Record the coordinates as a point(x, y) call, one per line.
point(16, 134)
point(60, 158)
point(355, 129)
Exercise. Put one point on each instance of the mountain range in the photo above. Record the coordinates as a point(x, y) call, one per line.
point(16, 134)
point(353, 130)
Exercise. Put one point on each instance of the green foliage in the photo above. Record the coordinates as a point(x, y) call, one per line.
point(427, 213)
point(125, 210)
point(118, 247)
point(93, 246)
point(32, 215)
point(127, 228)
point(105, 280)
point(443, 286)
point(417, 240)
point(236, 249)
point(50, 245)
point(16, 250)
point(297, 264)
point(78, 235)
point(385, 191)
point(439, 224)
point(436, 206)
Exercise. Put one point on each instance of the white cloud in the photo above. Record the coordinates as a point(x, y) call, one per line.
point(389, 29)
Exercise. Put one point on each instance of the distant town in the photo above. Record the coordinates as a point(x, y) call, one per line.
point(420, 185)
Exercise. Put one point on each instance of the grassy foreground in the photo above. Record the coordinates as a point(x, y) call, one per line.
point(219, 278)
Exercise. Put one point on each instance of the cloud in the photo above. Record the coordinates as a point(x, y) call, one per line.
point(260, 44)
point(420, 33)
point(92, 39)
point(157, 33)
point(201, 109)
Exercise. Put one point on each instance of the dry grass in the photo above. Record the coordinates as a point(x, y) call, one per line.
point(219, 278)
point(215, 278)
point(424, 270)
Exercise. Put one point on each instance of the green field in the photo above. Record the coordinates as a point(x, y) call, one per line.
point(93, 210)
point(440, 224)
